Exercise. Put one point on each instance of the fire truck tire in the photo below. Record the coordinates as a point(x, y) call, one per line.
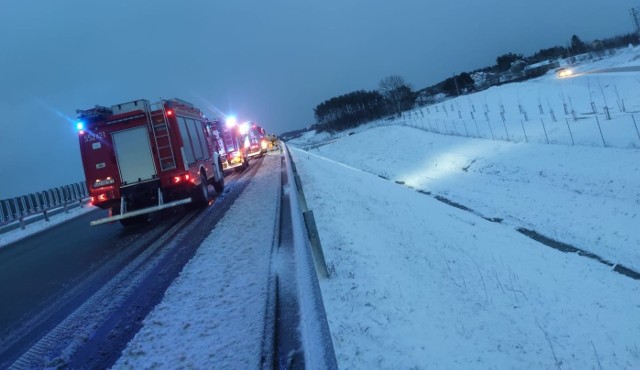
point(201, 193)
point(219, 185)
point(133, 221)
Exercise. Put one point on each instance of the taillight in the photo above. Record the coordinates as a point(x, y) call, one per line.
point(179, 179)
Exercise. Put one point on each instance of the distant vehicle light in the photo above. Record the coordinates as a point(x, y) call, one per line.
point(563, 73)
point(263, 144)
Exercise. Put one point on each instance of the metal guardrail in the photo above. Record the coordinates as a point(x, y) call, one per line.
point(16, 209)
point(314, 326)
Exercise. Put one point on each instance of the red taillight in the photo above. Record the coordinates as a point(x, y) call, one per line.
point(179, 179)
point(92, 200)
point(102, 197)
point(169, 113)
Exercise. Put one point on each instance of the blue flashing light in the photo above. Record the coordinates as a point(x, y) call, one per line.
point(231, 121)
point(80, 125)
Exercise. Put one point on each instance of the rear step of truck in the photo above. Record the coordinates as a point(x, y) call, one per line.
point(140, 212)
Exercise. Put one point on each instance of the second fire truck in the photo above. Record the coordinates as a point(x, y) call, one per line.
point(140, 158)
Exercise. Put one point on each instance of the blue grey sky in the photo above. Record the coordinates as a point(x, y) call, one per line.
point(267, 61)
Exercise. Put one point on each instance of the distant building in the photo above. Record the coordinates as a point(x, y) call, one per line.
point(540, 68)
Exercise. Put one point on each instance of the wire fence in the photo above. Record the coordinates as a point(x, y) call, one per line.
point(620, 131)
point(16, 209)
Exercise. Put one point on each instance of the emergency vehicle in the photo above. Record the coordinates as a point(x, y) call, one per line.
point(140, 158)
point(234, 145)
point(257, 140)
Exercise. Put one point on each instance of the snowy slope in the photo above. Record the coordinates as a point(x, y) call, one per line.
point(586, 197)
point(420, 284)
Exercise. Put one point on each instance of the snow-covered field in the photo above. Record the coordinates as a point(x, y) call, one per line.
point(418, 283)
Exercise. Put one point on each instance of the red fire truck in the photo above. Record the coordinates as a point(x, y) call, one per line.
point(140, 158)
point(257, 140)
point(234, 145)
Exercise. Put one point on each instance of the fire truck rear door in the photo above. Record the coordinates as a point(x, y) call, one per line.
point(134, 156)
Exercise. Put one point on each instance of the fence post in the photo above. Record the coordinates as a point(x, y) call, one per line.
point(491, 130)
point(465, 128)
point(570, 133)
point(600, 129)
point(505, 130)
point(56, 197)
point(635, 125)
point(523, 131)
point(39, 206)
point(25, 207)
point(7, 206)
point(32, 209)
point(545, 130)
point(477, 129)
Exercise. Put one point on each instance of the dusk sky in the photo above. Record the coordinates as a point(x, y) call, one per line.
point(267, 61)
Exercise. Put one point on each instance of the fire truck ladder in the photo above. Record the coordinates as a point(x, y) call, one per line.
point(161, 137)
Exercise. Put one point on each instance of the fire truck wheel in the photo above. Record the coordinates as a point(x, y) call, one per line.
point(201, 195)
point(219, 185)
point(133, 221)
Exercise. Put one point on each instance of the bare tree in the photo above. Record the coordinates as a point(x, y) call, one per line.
point(397, 92)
